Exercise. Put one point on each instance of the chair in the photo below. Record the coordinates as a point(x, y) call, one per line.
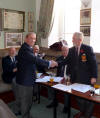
point(5, 111)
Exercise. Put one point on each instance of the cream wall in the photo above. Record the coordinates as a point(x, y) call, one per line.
point(20, 5)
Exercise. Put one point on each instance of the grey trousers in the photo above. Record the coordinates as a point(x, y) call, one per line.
point(24, 99)
point(14, 89)
point(86, 107)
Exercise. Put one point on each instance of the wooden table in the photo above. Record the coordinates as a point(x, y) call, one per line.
point(87, 96)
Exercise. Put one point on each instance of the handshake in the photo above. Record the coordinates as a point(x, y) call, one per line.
point(53, 64)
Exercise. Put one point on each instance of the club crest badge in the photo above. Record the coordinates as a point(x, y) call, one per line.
point(83, 57)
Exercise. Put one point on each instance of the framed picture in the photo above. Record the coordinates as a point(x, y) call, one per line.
point(13, 39)
point(13, 20)
point(85, 30)
point(0, 19)
point(85, 17)
point(30, 26)
point(30, 16)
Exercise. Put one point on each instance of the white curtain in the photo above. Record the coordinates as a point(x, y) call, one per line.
point(66, 22)
point(95, 25)
point(58, 26)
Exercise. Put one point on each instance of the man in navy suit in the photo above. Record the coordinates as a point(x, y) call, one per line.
point(60, 73)
point(83, 69)
point(26, 73)
point(36, 49)
point(39, 69)
point(9, 66)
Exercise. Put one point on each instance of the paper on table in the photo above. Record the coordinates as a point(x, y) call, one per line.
point(62, 87)
point(81, 87)
point(57, 79)
point(97, 91)
point(44, 79)
point(39, 74)
point(47, 78)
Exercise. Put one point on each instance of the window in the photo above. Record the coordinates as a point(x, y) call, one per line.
point(66, 21)
point(95, 26)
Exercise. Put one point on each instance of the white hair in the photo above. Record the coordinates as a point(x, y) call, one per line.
point(65, 46)
point(78, 35)
point(30, 33)
point(37, 46)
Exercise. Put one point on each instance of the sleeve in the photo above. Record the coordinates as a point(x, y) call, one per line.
point(64, 61)
point(30, 57)
point(92, 62)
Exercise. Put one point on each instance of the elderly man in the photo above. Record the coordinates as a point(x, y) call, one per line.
point(83, 69)
point(60, 73)
point(26, 74)
point(9, 66)
point(36, 49)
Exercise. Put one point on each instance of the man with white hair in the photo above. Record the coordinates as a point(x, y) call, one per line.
point(83, 69)
point(36, 49)
point(60, 73)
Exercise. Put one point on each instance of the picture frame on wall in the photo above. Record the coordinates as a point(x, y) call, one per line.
point(30, 26)
point(13, 20)
point(85, 30)
point(0, 19)
point(85, 17)
point(13, 39)
point(30, 16)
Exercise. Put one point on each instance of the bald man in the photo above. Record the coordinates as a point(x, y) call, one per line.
point(26, 73)
point(9, 66)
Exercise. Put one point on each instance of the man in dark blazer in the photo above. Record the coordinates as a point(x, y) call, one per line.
point(26, 73)
point(9, 66)
point(83, 69)
point(36, 50)
point(60, 73)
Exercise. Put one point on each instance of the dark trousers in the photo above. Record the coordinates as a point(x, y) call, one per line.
point(24, 99)
point(51, 93)
point(14, 89)
point(86, 107)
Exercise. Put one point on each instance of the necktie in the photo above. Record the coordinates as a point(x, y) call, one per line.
point(13, 59)
point(65, 71)
point(77, 51)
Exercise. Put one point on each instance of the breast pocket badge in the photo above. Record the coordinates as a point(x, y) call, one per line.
point(83, 57)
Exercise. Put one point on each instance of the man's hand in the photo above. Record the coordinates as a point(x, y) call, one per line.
point(15, 70)
point(53, 63)
point(93, 81)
